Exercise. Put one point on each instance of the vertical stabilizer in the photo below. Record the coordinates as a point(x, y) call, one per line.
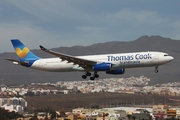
point(23, 53)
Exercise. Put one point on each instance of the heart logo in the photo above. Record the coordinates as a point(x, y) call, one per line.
point(22, 53)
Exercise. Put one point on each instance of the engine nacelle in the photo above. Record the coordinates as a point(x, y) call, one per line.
point(102, 67)
point(116, 72)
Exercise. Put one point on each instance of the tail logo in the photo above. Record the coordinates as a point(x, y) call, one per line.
point(22, 53)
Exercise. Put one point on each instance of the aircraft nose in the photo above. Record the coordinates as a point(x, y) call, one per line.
point(171, 58)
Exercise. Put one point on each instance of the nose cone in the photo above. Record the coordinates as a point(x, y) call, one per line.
point(169, 59)
point(164, 58)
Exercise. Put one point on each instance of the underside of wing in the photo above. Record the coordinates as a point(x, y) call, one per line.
point(71, 59)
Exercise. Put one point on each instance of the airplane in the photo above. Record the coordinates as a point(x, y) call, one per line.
point(110, 63)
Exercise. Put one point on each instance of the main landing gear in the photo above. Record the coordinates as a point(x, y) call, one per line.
point(86, 74)
point(95, 75)
point(156, 69)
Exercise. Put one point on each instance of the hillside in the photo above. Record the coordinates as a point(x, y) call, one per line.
point(12, 74)
point(67, 102)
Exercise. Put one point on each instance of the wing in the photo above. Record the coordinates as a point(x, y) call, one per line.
point(71, 59)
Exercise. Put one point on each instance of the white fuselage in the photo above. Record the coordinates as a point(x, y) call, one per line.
point(122, 60)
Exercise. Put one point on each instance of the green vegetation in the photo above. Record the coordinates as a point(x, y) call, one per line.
point(6, 115)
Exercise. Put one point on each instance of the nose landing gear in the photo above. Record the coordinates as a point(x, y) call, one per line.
point(156, 69)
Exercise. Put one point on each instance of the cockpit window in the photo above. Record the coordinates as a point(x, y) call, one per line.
point(166, 55)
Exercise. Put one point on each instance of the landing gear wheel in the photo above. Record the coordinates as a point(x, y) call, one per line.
point(156, 70)
point(84, 76)
point(96, 75)
point(88, 74)
point(92, 78)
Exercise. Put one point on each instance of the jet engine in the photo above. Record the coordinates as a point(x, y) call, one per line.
point(102, 67)
point(116, 72)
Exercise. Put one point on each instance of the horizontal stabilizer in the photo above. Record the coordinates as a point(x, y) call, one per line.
point(16, 62)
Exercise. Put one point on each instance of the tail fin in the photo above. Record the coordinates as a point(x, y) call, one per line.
point(23, 53)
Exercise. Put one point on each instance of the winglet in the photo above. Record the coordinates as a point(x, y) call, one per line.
point(42, 48)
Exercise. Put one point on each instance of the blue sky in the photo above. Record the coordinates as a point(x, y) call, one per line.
point(55, 23)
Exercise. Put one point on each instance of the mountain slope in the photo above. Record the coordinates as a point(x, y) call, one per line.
point(13, 74)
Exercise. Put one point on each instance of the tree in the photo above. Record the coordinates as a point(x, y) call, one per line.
point(134, 117)
point(34, 117)
point(53, 115)
point(5, 114)
point(62, 114)
point(128, 116)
